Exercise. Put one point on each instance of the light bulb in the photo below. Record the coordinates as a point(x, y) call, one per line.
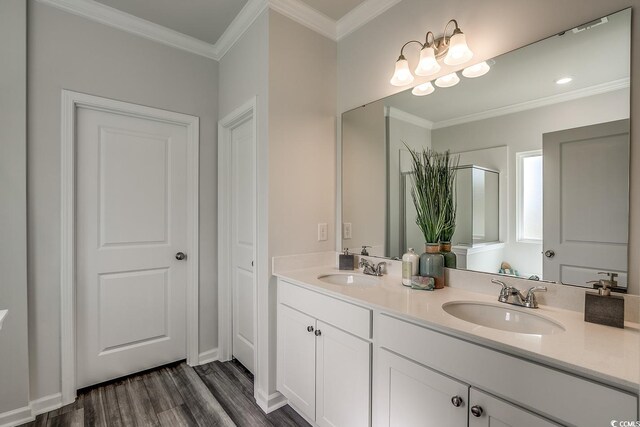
point(402, 75)
point(423, 89)
point(476, 70)
point(459, 52)
point(448, 80)
point(428, 64)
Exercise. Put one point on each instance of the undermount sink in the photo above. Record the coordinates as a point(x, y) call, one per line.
point(349, 279)
point(503, 317)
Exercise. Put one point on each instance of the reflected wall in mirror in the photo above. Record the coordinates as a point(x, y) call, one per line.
point(543, 140)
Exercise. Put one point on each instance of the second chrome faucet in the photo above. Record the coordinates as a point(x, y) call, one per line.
point(511, 295)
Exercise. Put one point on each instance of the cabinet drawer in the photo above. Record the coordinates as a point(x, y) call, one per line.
point(547, 391)
point(344, 315)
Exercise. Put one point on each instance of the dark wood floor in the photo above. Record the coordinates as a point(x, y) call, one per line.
point(215, 394)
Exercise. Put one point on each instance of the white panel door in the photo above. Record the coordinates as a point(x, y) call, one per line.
point(297, 359)
point(242, 243)
point(586, 202)
point(498, 413)
point(131, 221)
point(409, 394)
point(342, 378)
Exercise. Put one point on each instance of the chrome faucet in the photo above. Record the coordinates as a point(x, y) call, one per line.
point(511, 295)
point(371, 269)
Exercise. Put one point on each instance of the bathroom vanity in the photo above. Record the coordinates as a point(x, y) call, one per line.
point(358, 350)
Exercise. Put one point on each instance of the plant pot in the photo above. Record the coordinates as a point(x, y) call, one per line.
point(432, 264)
point(450, 259)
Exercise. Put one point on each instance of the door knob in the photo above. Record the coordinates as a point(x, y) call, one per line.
point(456, 401)
point(181, 256)
point(309, 328)
point(476, 411)
point(549, 253)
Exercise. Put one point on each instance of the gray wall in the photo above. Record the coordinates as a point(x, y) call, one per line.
point(14, 368)
point(69, 52)
point(492, 27)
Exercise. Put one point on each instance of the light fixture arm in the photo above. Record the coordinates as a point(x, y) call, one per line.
point(444, 33)
point(426, 39)
point(405, 45)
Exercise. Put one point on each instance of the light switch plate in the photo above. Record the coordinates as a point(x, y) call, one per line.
point(322, 232)
point(346, 230)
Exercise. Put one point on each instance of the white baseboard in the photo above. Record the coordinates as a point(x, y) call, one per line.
point(28, 413)
point(46, 404)
point(16, 417)
point(208, 356)
point(271, 402)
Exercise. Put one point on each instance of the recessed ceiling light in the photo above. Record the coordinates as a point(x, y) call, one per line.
point(563, 81)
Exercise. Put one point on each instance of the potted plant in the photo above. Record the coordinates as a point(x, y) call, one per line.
point(429, 197)
point(449, 170)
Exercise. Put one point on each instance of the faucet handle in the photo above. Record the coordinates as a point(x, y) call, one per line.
point(612, 277)
point(504, 292)
point(500, 282)
point(530, 300)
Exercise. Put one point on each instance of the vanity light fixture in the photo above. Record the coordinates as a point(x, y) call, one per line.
point(477, 70)
point(448, 80)
point(423, 89)
point(563, 81)
point(452, 50)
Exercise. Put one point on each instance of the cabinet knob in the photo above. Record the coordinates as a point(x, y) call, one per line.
point(309, 328)
point(318, 332)
point(456, 401)
point(476, 411)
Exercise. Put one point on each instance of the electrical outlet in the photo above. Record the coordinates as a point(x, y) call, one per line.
point(346, 230)
point(322, 232)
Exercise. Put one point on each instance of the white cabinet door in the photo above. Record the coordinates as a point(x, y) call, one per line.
point(342, 378)
point(498, 413)
point(409, 394)
point(297, 359)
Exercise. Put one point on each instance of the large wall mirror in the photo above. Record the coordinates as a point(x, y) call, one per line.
point(543, 177)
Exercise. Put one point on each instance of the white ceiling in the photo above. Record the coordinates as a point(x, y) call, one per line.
point(334, 9)
point(594, 57)
point(205, 20)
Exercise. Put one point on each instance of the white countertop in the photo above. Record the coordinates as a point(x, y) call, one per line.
point(3, 314)
point(606, 354)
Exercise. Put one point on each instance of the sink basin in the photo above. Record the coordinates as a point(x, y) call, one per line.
point(349, 279)
point(503, 317)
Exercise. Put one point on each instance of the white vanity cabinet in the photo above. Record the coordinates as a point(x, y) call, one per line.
point(324, 357)
point(507, 390)
point(410, 394)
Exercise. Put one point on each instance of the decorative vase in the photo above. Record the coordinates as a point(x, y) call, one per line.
point(450, 260)
point(432, 264)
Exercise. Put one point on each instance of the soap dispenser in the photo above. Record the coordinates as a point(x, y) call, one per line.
point(603, 308)
point(346, 261)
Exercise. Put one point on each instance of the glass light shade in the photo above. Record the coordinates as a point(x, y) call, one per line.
point(476, 70)
point(428, 64)
point(448, 80)
point(459, 52)
point(423, 89)
point(402, 75)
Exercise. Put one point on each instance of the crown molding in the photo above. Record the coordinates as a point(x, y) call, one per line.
point(398, 114)
point(361, 14)
point(123, 21)
point(293, 9)
point(240, 24)
point(536, 103)
point(306, 15)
